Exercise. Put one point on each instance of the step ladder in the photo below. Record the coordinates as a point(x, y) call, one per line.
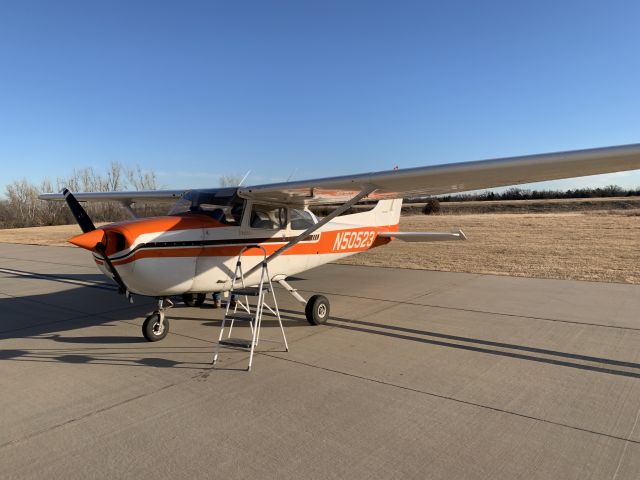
point(252, 317)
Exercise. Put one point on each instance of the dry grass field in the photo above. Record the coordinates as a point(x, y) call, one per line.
point(596, 245)
point(557, 205)
point(55, 235)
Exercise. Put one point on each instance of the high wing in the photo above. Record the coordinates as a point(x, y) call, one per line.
point(123, 197)
point(450, 178)
point(431, 180)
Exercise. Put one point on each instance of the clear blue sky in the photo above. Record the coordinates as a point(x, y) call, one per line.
point(194, 89)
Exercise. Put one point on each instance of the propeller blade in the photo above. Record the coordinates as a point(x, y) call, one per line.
point(101, 249)
point(78, 212)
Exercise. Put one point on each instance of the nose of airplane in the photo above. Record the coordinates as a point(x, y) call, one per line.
point(88, 240)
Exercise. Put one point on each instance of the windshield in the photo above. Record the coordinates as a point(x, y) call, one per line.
point(221, 204)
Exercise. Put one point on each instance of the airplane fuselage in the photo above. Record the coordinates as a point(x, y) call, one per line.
point(194, 253)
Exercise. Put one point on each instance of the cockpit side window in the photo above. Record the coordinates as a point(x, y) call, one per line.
point(268, 217)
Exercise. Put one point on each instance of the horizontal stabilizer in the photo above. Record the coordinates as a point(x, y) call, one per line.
point(425, 236)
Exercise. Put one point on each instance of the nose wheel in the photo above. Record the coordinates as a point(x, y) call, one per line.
point(156, 326)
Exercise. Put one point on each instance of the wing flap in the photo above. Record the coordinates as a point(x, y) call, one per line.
point(126, 197)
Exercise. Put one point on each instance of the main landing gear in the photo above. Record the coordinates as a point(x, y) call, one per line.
point(316, 309)
point(156, 325)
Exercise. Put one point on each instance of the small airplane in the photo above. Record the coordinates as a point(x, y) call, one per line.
point(193, 250)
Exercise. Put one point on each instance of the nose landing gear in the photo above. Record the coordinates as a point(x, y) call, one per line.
point(156, 325)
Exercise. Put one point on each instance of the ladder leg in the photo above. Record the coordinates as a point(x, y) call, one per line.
point(217, 351)
point(277, 311)
point(258, 319)
point(226, 312)
point(254, 337)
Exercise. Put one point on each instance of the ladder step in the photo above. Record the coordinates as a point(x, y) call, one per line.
point(249, 291)
point(236, 342)
point(243, 317)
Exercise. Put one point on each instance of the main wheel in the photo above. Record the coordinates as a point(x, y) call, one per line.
point(317, 310)
point(153, 329)
point(193, 299)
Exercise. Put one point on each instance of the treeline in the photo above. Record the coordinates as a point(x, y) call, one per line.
point(516, 193)
point(22, 208)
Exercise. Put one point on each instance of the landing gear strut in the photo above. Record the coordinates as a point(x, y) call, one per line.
point(156, 326)
point(316, 309)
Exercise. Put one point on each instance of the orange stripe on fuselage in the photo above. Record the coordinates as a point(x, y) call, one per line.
point(335, 241)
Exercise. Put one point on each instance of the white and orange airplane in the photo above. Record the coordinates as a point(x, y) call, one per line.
point(193, 250)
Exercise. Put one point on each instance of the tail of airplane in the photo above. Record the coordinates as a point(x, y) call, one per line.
point(387, 212)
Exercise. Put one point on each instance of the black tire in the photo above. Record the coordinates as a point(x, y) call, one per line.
point(317, 310)
point(151, 328)
point(193, 299)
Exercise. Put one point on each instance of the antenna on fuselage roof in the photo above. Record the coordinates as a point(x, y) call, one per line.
point(292, 174)
point(244, 178)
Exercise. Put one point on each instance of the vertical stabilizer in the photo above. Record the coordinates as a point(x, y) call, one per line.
point(387, 212)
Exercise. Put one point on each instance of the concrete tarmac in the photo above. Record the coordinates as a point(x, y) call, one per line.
point(418, 374)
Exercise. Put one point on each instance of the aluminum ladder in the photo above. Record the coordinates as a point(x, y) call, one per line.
point(252, 317)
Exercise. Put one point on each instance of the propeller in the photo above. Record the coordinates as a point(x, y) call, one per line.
point(93, 239)
point(78, 212)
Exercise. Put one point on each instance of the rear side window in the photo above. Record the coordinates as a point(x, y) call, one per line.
point(301, 219)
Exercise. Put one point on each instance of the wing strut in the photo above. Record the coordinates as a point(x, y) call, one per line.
point(342, 208)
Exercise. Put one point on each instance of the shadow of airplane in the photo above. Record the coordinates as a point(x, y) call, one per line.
point(483, 346)
point(27, 317)
point(86, 302)
point(89, 300)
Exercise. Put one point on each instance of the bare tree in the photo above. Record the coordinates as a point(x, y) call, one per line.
point(23, 202)
point(23, 208)
point(142, 180)
point(230, 180)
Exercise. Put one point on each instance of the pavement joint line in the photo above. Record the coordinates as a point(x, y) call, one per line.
point(54, 277)
point(53, 322)
point(80, 315)
point(504, 352)
point(204, 372)
point(129, 322)
point(103, 409)
point(47, 261)
point(467, 340)
point(454, 399)
point(514, 315)
point(626, 445)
